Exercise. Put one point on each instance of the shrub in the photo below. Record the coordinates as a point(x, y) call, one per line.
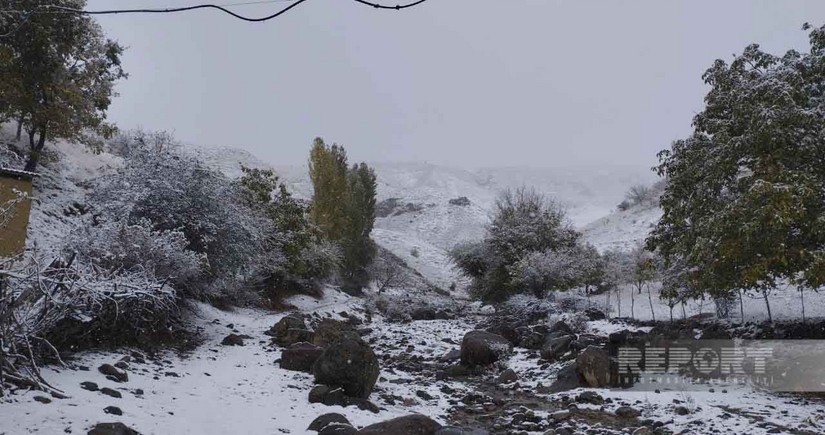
point(132, 247)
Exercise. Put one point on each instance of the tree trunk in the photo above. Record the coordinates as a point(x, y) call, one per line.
point(684, 311)
point(802, 299)
point(768, 305)
point(36, 148)
point(741, 308)
point(632, 305)
point(650, 299)
point(19, 130)
point(671, 313)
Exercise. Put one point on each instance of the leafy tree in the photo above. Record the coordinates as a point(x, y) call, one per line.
point(307, 256)
point(745, 199)
point(343, 207)
point(57, 75)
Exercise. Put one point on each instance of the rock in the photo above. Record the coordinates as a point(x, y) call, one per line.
point(318, 392)
point(423, 313)
point(591, 397)
point(331, 331)
point(111, 393)
point(532, 340)
point(507, 377)
point(363, 404)
point(123, 365)
point(568, 378)
point(292, 336)
point(114, 410)
point(594, 366)
point(452, 430)
point(116, 374)
point(644, 430)
point(461, 201)
point(483, 348)
point(627, 412)
point(89, 386)
point(553, 348)
point(300, 357)
point(407, 425)
point(335, 397)
point(233, 340)
point(338, 429)
point(594, 314)
point(453, 355)
point(560, 326)
point(350, 364)
point(324, 420)
point(584, 341)
point(42, 399)
point(558, 416)
point(289, 322)
point(112, 429)
point(681, 410)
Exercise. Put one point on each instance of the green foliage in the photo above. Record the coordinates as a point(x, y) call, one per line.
point(57, 75)
point(343, 207)
point(745, 198)
point(307, 258)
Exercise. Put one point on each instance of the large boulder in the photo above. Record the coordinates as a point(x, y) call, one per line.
point(300, 357)
point(331, 331)
point(112, 429)
point(594, 366)
point(407, 425)
point(482, 348)
point(325, 420)
point(350, 364)
point(291, 321)
point(556, 346)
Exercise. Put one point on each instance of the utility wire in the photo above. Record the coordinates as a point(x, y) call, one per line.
point(59, 9)
point(396, 7)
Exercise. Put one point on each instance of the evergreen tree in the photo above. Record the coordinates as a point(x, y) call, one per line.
point(57, 75)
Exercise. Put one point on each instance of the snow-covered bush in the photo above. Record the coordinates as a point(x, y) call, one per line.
point(130, 247)
point(175, 191)
point(48, 305)
point(524, 223)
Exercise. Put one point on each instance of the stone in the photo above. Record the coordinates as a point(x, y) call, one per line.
point(89, 386)
point(113, 373)
point(483, 348)
point(111, 393)
point(112, 429)
point(590, 397)
point(42, 399)
point(553, 348)
point(350, 364)
point(338, 429)
point(114, 410)
point(507, 377)
point(233, 340)
point(407, 425)
point(593, 364)
point(324, 420)
point(330, 331)
point(627, 412)
point(300, 356)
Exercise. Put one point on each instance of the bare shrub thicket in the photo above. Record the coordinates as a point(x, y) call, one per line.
point(46, 304)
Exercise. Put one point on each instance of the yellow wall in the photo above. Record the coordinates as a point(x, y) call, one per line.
point(13, 235)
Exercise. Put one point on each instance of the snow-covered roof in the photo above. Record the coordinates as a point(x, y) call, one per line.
point(17, 173)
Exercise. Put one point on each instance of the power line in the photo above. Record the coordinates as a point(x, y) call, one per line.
point(396, 7)
point(59, 9)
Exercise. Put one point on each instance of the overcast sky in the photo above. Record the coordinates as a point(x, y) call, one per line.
point(462, 82)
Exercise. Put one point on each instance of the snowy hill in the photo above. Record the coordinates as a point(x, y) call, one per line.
point(427, 224)
point(622, 230)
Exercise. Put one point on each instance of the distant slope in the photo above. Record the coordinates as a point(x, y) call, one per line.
point(622, 230)
point(435, 225)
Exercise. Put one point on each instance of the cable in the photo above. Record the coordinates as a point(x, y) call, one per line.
point(396, 7)
point(59, 9)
